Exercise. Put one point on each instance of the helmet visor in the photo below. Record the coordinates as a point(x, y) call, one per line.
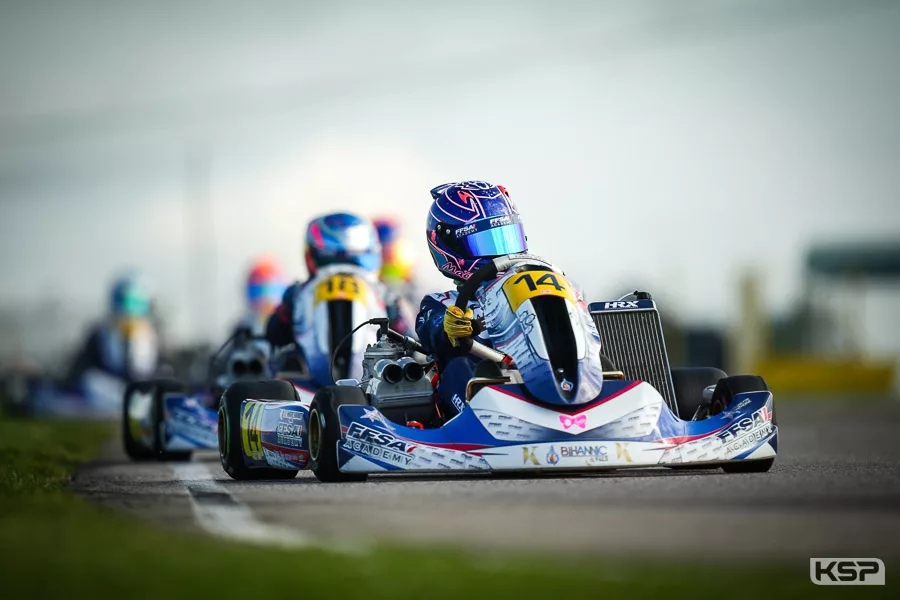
point(497, 241)
point(134, 305)
point(264, 291)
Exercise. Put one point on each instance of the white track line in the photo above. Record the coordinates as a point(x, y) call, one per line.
point(219, 513)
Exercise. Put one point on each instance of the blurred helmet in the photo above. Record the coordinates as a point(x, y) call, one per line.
point(396, 252)
point(130, 297)
point(265, 286)
point(342, 238)
point(469, 224)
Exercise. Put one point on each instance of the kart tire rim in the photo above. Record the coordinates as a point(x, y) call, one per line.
point(222, 434)
point(315, 435)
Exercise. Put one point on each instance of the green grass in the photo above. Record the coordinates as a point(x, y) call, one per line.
point(56, 545)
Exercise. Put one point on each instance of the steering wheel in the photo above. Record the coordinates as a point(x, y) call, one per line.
point(486, 273)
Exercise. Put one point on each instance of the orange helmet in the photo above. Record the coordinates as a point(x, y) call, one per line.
point(265, 285)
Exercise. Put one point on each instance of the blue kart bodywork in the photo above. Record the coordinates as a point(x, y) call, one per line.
point(190, 421)
point(502, 428)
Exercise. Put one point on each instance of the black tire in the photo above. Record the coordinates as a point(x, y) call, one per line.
point(134, 449)
point(324, 432)
point(725, 392)
point(162, 387)
point(231, 451)
point(689, 384)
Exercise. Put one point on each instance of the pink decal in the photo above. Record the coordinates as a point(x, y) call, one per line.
point(567, 421)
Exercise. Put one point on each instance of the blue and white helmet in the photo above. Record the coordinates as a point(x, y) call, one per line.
point(470, 223)
point(342, 238)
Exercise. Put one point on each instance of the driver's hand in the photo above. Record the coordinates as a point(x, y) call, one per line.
point(458, 324)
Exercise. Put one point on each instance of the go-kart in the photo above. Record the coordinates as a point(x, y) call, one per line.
point(164, 419)
point(95, 394)
point(543, 398)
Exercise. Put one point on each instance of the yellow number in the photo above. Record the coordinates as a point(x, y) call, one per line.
point(340, 287)
point(251, 424)
point(534, 284)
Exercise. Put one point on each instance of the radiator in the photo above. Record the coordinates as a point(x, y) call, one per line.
point(632, 337)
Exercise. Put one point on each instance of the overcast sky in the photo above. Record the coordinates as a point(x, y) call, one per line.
point(669, 146)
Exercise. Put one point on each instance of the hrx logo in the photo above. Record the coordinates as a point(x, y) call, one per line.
point(846, 571)
point(620, 304)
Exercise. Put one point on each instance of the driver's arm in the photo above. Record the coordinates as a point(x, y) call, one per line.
point(430, 328)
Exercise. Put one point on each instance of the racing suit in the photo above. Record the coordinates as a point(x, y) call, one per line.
point(129, 352)
point(280, 327)
point(456, 366)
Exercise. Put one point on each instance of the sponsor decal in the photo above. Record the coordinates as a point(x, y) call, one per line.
point(629, 304)
point(286, 458)
point(749, 440)
point(499, 221)
point(377, 444)
point(373, 415)
point(289, 429)
point(742, 404)
point(622, 451)
point(455, 271)
point(568, 422)
point(527, 318)
point(528, 455)
point(552, 457)
point(188, 422)
point(595, 454)
point(458, 402)
point(466, 230)
point(566, 385)
point(744, 425)
point(846, 571)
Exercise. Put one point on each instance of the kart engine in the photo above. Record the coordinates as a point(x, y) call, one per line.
point(397, 385)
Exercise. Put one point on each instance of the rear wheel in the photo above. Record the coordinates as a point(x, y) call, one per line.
point(726, 390)
point(231, 451)
point(324, 432)
point(689, 384)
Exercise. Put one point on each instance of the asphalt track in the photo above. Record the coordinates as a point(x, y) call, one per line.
point(834, 491)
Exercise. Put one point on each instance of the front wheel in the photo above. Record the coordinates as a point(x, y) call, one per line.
point(231, 451)
point(725, 392)
point(324, 430)
point(130, 428)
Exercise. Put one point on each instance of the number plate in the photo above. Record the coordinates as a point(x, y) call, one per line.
point(340, 287)
point(534, 284)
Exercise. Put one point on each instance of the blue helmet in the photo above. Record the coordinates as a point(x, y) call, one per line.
point(341, 238)
point(130, 297)
point(469, 224)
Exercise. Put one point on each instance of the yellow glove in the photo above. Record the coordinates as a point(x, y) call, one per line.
point(458, 324)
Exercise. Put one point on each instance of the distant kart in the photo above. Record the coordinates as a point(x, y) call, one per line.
point(543, 399)
point(165, 420)
point(96, 394)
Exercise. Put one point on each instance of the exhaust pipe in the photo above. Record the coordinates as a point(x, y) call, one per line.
point(389, 371)
point(412, 371)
